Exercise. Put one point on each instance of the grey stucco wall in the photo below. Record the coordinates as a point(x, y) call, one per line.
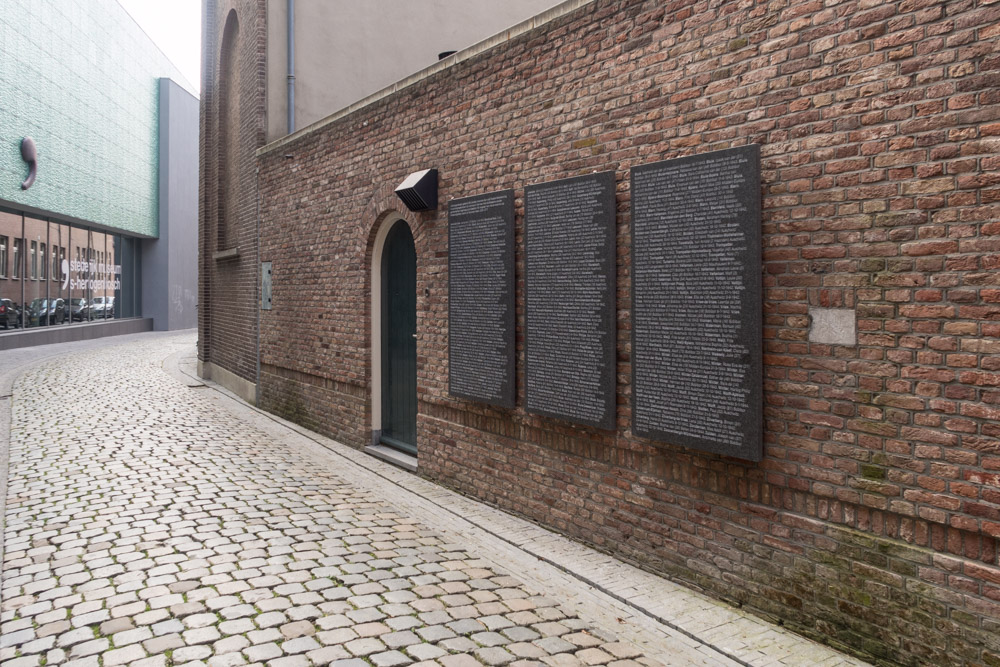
point(170, 263)
point(346, 50)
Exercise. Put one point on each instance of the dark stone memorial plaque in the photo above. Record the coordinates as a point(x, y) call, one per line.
point(696, 302)
point(481, 298)
point(570, 299)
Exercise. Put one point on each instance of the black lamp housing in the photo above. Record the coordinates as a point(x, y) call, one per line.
point(420, 190)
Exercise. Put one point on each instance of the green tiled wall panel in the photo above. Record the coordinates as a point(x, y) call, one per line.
point(81, 78)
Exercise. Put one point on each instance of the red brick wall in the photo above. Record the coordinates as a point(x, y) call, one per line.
point(228, 201)
point(872, 522)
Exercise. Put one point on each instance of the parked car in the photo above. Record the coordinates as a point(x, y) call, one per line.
point(42, 312)
point(102, 308)
point(79, 310)
point(10, 314)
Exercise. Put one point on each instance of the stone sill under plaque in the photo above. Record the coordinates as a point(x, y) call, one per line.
point(223, 255)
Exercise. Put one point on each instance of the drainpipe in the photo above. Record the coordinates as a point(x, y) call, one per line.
point(291, 66)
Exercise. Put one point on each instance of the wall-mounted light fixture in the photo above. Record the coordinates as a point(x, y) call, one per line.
point(420, 190)
point(29, 153)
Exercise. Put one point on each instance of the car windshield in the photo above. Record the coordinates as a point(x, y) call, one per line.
point(39, 303)
point(78, 302)
point(98, 299)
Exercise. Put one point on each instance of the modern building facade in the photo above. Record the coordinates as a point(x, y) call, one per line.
point(870, 516)
point(98, 185)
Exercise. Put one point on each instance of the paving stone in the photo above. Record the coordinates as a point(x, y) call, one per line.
point(265, 636)
point(238, 611)
point(90, 661)
point(459, 644)
point(493, 655)
point(553, 645)
point(290, 661)
point(371, 629)
point(300, 645)
point(200, 620)
point(390, 659)
point(262, 652)
point(230, 645)
point(56, 628)
point(190, 654)
point(364, 646)
point(270, 619)
point(64, 640)
point(400, 623)
point(520, 634)
point(168, 627)
point(336, 636)
point(55, 657)
point(151, 617)
point(550, 629)
point(92, 647)
point(116, 625)
point(132, 636)
point(24, 661)
point(153, 661)
point(594, 656)
point(563, 660)
point(489, 639)
point(395, 640)
point(91, 618)
point(621, 651)
point(462, 660)
point(123, 656)
point(297, 629)
point(583, 639)
point(186, 609)
point(466, 626)
point(525, 650)
point(162, 644)
point(38, 645)
point(423, 652)
point(205, 635)
point(334, 621)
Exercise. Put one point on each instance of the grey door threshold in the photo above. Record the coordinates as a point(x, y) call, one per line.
point(393, 456)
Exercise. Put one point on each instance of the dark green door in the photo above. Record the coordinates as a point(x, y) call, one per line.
point(399, 340)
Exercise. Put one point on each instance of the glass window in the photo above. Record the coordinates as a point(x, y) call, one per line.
point(54, 288)
point(77, 243)
point(76, 274)
point(10, 255)
point(40, 311)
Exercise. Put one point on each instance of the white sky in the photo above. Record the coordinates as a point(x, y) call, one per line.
point(175, 27)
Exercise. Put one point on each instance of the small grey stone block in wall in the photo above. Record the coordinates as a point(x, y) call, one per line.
point(833, 326)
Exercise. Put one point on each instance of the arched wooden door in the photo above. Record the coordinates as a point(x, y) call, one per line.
point(399, 340)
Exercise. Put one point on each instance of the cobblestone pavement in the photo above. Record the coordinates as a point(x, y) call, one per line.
point(152, 522)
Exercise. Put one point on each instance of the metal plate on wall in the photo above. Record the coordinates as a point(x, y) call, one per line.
point(481, 298)
point(696, 302)
point(265, 285)
point(570, 325)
